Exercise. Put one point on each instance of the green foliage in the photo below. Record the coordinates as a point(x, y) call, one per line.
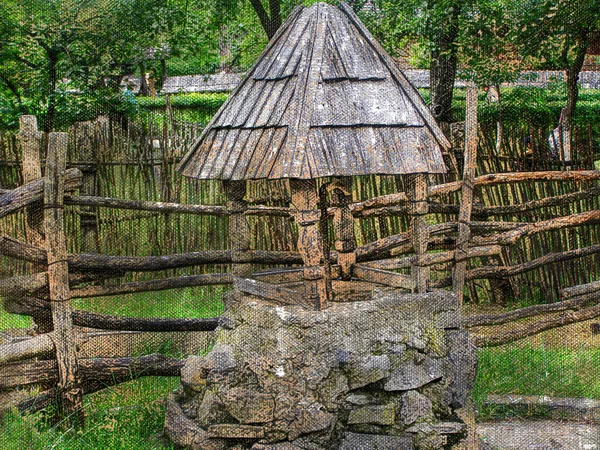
point(535, 371)
point(124, 417)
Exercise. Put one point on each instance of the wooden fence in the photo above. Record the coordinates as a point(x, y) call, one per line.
point(462, 241)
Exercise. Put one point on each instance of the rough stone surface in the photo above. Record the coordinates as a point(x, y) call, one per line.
point(463, 366)
point(376, 414)
point(368, 370)
point(414, 374)
point(415, 406)
point(248, 406)
point(357, 375)
point(356, 441)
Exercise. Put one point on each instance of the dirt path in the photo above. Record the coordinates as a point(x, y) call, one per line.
point(539, 435)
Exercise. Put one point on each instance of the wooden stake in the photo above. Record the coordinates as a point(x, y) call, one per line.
point(310, 242)
point(69, 389)
point(466, 204)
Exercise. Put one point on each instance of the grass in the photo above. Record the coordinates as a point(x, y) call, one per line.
point(528, 370)
point(129, 416)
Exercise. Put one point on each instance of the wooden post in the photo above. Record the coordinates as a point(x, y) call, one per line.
point(239, 230)
point(419, 230)
point(31, 169)
point(69, 388)
point(343, 224)
point(85, 151)
point(310, 242)
point(466, 203)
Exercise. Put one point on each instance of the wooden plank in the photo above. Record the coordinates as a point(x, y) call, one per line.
point(384, 277)
point(581, 289)
point(70, 395)
point(272, 292)
point(466, 203)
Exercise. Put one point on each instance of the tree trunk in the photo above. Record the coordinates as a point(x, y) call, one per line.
point(51, 112)
point(443, 65)
point(572, 78)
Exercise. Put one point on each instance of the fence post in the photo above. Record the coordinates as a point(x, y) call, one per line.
point(466, 202)
point(239, 230)
point(85, 150)
point(69, 387)
point(31, 169)
point(419, 230)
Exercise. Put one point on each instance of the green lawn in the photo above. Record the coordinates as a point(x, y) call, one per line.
point(535, 371)
point(129, 416)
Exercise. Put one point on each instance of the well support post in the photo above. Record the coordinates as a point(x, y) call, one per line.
point(310, 242)
point(343, 224)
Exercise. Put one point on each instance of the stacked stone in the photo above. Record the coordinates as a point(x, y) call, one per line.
point(388, 373)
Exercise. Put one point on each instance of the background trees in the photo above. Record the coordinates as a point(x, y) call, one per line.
point(50, 49)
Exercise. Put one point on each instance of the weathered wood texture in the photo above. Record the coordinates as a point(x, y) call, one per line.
point(419, 231)
point(466, 201)
point(33, 191)
point(582, 289)
point(311, 242)
point(523, 313)
point(31, 169)
point(84, 136)
point(516, 333)
point(97, 369)
point(384, 277)
point(117, 264)
point(70, 395)
point(36, 306)
point(283, 120)
point(42, 345)
point(343, 225)
point(239, 229)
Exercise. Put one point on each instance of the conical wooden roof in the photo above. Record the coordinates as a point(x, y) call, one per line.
point(323, 99)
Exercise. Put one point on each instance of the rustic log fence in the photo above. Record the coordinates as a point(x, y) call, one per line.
point(470, 246)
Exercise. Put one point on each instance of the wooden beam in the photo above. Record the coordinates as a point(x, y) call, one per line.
point(511, 237)
point(31, 169)
point(273, 292)
point(166, 207)
point(383, 277)
point(36, 306)
point(23, 374)
point(582, 289)
point(90, 262)
point(535, 327)
point(523, 313)
point(33, 192)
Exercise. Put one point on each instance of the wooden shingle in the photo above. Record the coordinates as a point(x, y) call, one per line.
point(323, 99)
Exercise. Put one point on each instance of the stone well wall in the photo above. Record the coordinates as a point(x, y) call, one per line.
point(387, 373)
